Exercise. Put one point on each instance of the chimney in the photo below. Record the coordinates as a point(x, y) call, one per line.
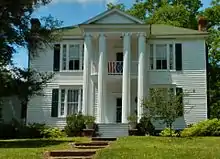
point(35, 23)
point(202, 24)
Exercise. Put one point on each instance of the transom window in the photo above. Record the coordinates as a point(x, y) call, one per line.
point(70, 101)
point(161, 57)
point(71, 57)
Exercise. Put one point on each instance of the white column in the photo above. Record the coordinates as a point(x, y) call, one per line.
point(141, 73)
point(102, 73)
point(86, 73)
point(126, 77)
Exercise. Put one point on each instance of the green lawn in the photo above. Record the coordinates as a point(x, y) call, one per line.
point(162, 148)
point(33, 148)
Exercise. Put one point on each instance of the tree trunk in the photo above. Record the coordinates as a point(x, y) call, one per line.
point(170, 126)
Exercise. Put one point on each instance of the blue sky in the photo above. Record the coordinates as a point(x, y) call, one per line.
point(72, 12)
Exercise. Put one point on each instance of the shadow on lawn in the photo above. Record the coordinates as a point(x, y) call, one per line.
point(34, 143)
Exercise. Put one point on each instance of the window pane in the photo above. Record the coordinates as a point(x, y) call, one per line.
point(151, 56)
point(171, 56)
point(64, 57)
point(161, 56)
point(74, 57)
point(62, 102)
point(72, 102)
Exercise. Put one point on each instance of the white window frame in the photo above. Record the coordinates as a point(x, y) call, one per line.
point(167, 43)
point(67, 43)
point(66, 88)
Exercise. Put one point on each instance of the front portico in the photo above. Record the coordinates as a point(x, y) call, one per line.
point(114, 54)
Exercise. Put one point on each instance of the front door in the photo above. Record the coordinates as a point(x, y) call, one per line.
point(118, 109)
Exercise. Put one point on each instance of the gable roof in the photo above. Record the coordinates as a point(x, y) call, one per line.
point(108, 12)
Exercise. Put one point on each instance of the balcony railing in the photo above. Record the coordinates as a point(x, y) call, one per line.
point(116, 68)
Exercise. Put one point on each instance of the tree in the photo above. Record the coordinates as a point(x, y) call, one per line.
point(176, 15)
point(28, 83)
point(16, 29)
point(175, 12)
point(213, 44)
point(164, 105)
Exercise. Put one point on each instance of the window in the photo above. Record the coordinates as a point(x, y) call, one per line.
point(70, 101)
point(72, 57)
point(161, 57)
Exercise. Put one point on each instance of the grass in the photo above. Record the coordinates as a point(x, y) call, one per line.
point(162, 148)
point(33, 148)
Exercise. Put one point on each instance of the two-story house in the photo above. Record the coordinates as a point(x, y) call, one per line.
point(105, 66)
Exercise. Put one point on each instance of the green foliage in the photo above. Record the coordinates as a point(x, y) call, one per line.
point(120, 6)
point(132, 118)
point(203, 128)
point(176, 15)
point(15, 129)
point(89, 119)
point(163, 104)
point(167, 132)
point(75, 124)
point(52, 133)
point(145, 126)
point(19, 29)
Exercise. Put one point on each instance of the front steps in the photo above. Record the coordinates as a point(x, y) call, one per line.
point(112, 130)
point(81, 151)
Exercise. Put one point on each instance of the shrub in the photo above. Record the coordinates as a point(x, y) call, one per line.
point(75, 125)
point(132, 118)
point(89, 119)
point(7, 131)
point(52, 133)
point(203, 128)
point(168, 132)
point(145, 126)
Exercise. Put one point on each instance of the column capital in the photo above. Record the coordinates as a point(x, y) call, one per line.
point(127, 34)
point(141, 34)
point(87, 35)
point(101, 35)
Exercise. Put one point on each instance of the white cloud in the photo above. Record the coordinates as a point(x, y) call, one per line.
point(84, 1)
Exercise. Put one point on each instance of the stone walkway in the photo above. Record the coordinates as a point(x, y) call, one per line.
point(81, 151)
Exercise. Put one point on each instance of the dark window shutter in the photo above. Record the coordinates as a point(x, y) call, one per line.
point(56, 58)
point(179, 93)
point(178, 53)
point(55, 101)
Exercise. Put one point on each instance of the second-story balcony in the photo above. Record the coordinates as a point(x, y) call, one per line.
point(116, 68)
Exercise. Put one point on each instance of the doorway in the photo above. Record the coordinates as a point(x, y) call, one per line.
point(118, 110)
point(119, 64)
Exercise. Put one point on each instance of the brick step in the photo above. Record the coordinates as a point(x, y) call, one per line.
point(71, 157)
point(90, 147)
point(93, 143)
point(70, 153)
point(104, 139)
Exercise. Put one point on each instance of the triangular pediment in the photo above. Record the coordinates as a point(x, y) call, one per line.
point(113, 16)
